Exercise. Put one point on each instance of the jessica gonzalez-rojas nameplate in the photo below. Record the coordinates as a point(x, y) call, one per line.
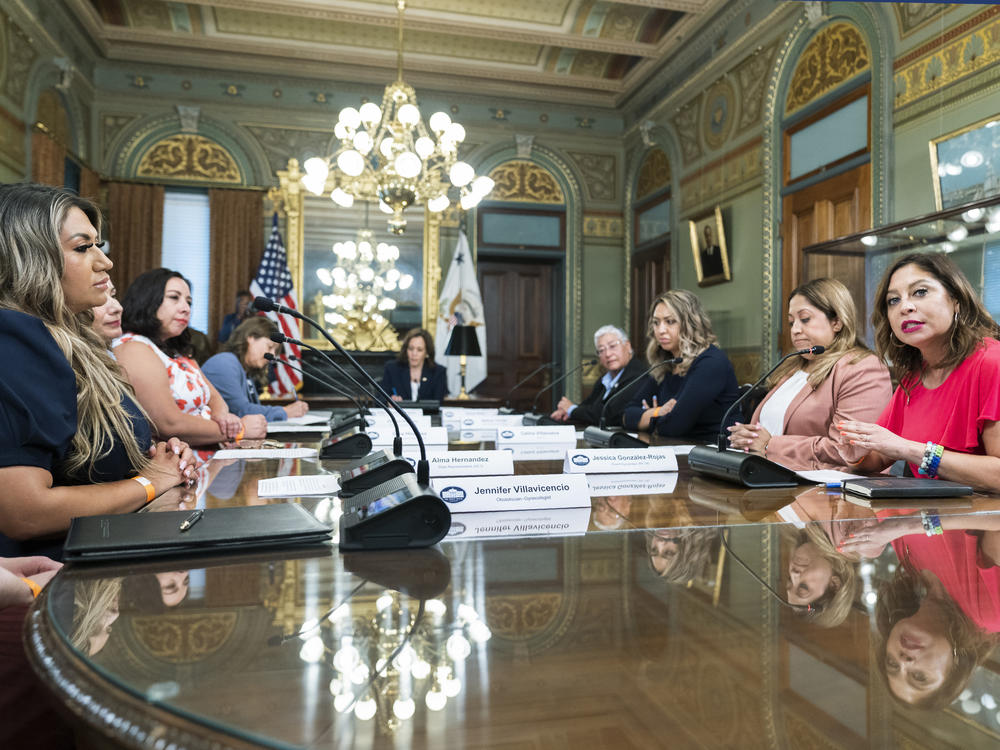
point(520, 492)
point(613, 461)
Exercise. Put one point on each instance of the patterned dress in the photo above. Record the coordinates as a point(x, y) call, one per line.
point(188, 385)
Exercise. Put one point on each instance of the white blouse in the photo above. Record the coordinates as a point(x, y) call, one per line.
point(772, 415)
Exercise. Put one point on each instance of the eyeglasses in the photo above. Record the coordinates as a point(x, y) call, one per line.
point(613, 346)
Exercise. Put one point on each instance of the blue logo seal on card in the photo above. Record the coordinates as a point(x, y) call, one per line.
point(452, 494)
point(580, 460)
point(508, 434)
point(457, 527)
point(468, 422)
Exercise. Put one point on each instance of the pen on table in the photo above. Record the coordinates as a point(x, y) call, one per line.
point(192, 520)
point(832, 485)
point(394, 392)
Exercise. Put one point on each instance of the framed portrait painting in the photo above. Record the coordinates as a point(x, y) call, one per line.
point(708, 245)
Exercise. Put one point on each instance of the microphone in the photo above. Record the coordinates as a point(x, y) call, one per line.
point(605, 438)
point(747, 469)
point(506, 409)
point(535, 418)
point(317, 374)
point(722, 440)
point(423, 468)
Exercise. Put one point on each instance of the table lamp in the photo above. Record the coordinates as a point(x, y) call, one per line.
point(464, 342)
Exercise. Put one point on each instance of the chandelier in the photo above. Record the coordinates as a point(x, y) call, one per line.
point(388, 154)
point(364, 274)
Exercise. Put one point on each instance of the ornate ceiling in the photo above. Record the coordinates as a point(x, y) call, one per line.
point(582, 51)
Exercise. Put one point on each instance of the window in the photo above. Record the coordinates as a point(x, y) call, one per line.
point(186, 246)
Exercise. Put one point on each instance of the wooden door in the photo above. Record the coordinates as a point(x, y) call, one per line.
point(833, 208)
point(650, 279)
point(519, 298)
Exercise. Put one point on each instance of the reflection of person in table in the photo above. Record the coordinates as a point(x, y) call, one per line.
point(611, 512)
point(939, 616)
point(710, 254)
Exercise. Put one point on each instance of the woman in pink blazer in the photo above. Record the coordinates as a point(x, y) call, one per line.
point(795, 423)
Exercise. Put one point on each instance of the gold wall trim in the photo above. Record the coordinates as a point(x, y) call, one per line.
point(724, 177)
point(836, 55)
point(654, 174)
point(525, 182)
point(603, 226)
point(960, 57)
point(189, 157)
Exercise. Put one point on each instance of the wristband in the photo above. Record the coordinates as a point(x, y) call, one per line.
point(931, 523)
point(147, 486)
point(656, 412)
point(35, 588)
point(239, 435)
point(932, 468)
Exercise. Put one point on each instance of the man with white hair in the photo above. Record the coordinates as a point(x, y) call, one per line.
point(615, 354)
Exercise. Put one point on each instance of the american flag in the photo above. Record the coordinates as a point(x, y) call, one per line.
point(274, 281)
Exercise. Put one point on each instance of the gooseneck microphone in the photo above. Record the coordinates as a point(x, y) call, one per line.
point(284, 361)
point(605, 438)
point(534, 417)
point(723, 439)
point(423, 467)
point(748, 469)
point(506, 407)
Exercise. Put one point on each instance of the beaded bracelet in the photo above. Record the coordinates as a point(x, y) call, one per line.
point(931, 460)
point(926, 460)
point(931, 523)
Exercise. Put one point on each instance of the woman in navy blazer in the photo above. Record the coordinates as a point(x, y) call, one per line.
point(415, 366)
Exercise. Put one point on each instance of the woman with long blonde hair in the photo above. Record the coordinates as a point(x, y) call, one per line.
point(689, 393)
point(74, 442)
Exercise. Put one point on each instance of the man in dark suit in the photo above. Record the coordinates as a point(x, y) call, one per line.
point(615, 354)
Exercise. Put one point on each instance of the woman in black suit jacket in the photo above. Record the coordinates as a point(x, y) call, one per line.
point(415, 366)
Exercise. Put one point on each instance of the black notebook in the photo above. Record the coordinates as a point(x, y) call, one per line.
point(905, 487)
point(145, 535)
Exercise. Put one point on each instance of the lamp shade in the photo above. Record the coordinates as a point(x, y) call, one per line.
point(463, 341)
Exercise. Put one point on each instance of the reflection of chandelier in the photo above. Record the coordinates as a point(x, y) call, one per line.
point(364, 274)
point(388, 154)
point(379, 670)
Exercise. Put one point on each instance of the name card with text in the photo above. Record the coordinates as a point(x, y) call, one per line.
point(431, 436)
point(539, 451)
point(547, 434)
point(611, 460)
point(453, 414)
point(554, 522)
point(471, 464)
point(522, 492)
point(654, 483)
point(381, 421)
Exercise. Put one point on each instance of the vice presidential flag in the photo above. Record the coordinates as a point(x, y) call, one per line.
point(274, 281)
point(460, 303)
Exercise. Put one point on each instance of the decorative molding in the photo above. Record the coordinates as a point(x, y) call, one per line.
point(911, 17)
point(179, 639)
point(599, 174)
point(12, 141)
point(21, 56)
point(734, 172)
point(603, 226)
point(685, 124)
point(188, 117)
point(191, 158)
point(654, 174)
point(961, 57)
point(523, 144)
point(525, 182)
point(939, 40)
point(281, 144)
point(751, 75)
point(835, 55)
point(112, 123)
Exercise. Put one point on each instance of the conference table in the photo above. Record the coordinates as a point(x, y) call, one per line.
point(505, 635)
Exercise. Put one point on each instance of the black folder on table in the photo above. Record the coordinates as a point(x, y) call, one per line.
point(905, 487)
point(145, 535)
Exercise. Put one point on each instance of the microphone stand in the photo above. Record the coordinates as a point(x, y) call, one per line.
point(738, 467)
point(506, 408)
point(602, 437)
point(336, 425)
point(535, 418)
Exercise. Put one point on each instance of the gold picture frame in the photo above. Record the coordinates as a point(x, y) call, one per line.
point(708, 247)
point(962, 169)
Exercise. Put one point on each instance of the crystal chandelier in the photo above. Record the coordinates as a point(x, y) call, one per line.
point(388, 154)
point(364, 274)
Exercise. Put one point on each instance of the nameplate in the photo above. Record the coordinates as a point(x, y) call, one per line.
point(456, 412)
point(431, 436)
point(547, 434)
point(473, 420)
point(471, 464)
point(539, 451)
point(521, 492)
point(612, 461)
point(380, 420)
point(472, 436)
point(507, 524)
point(654, 483)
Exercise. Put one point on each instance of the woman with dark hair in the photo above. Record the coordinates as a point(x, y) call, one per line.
point(687, 399)
point(234, 370)
point(413, 375)
point(795, 424)
point(943, 418)
point(155, 354)
point(73, 442)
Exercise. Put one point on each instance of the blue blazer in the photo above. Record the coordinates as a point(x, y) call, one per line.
point(433, 381)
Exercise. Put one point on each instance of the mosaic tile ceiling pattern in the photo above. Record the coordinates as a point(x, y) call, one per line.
point(582, 48)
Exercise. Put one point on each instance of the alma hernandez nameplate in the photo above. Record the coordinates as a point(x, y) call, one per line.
point(521, 492)
point(617, 460)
